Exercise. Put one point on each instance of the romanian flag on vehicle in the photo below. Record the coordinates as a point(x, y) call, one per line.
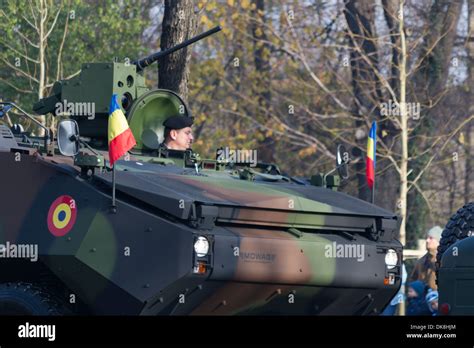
point(370, 163)
point(121, 138)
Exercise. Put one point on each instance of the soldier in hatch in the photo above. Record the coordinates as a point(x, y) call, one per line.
point(178, 134)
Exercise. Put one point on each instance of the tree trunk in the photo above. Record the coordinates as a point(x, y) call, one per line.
point(404, 131)
point(360, 20)
point(404, 139)
point(41, 58)
point(468, 163)
point(470, 94)
point(444, 16)
point(266, 147)
point(452, 186)
point(431, 78)
point(179, 24)
point(390, 10)
point(389, 132)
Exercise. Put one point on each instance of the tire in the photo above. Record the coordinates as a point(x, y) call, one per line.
point(27, 299)
point(459, 226)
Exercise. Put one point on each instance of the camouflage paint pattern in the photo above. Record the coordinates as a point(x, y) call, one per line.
point(140, 260)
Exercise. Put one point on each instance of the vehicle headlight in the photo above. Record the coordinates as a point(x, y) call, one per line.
point(201, 246)
point(391, 258)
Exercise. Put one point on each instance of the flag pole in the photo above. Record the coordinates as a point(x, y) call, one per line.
point(373, 191)
point(120, 138)
point(114, 207)
point(374, 126)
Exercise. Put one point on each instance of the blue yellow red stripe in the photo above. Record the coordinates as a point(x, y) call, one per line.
point(371, 155)
point(120, 136)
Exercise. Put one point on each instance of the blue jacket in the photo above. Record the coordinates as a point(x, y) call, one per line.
point(418, 306)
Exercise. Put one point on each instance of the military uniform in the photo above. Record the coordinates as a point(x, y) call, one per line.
point(173, 122)
point(178, 122)
point(162, 150)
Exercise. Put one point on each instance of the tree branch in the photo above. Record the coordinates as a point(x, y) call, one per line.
point(302, 58)
point(18, 52)
point(20, 71)
point(26, 39)
point(14, 87)
point(58, 72)
point(54, 23)
point(420, 174)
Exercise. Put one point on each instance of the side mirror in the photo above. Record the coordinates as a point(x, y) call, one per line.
point(342, 159)
point(68, 138)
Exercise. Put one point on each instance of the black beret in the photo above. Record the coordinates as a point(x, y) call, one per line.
point(178, 122)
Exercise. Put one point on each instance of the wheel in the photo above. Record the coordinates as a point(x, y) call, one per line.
point(459, 226)
point(26, 299)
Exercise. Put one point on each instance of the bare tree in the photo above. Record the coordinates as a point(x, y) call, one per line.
point(339, 66)
point(360, 20)
point(266, 147)
point(42, 18)
point(402, 140)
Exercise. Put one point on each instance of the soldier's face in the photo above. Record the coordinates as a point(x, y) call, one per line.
point(181, 139)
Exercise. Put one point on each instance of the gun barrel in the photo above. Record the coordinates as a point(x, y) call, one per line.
point(143, 63)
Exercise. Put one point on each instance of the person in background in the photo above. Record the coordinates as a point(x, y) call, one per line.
point(425, 267)
point(416, 299)
point(432, 301)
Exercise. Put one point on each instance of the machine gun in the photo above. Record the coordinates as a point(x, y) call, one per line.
point(143, 63)
point(86, 97)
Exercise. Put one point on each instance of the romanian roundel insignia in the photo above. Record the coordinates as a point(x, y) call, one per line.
point(62, 215)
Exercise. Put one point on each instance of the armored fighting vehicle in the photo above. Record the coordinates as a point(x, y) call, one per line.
point(456, 264)
point(186, 235)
